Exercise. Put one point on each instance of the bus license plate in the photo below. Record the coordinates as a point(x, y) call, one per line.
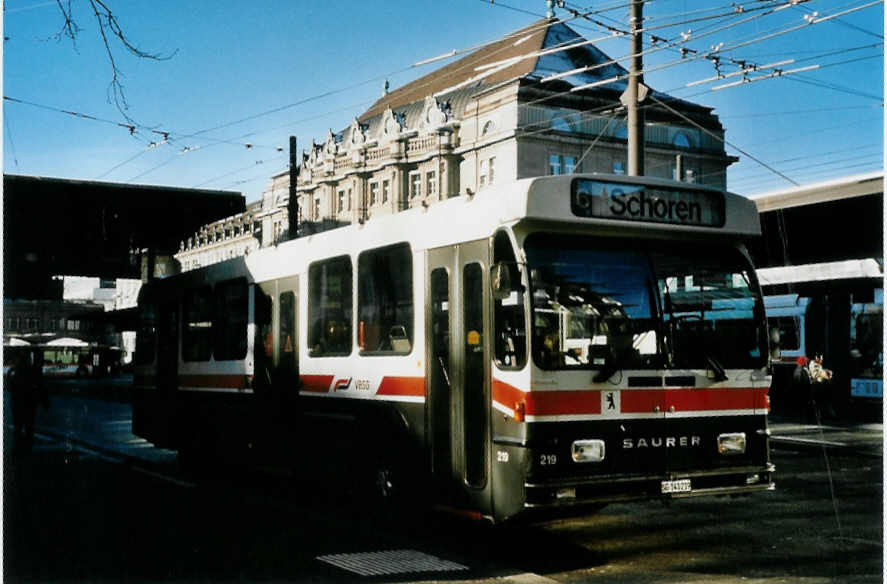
point(679, 486)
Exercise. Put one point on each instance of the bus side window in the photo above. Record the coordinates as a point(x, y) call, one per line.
point(508, 314)
point(230, 322)
point(287, 345)
point(265, 339)
point(197, 334)
point(146, 336)
point(330, 307)
point(385, 300)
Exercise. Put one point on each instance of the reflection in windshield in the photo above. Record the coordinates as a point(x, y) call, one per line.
point(602, 304)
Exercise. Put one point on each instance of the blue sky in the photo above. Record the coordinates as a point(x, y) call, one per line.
point(317, 65)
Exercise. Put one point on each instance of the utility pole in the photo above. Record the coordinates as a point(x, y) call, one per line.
point(636, 92)
point(293, 204)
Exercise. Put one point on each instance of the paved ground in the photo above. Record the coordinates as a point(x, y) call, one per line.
point(92, 502)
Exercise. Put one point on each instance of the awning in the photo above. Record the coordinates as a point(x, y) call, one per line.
point(845, 270)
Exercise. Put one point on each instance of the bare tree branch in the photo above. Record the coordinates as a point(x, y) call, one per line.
point(69, 28)
point(114, 26)
point(109, 29)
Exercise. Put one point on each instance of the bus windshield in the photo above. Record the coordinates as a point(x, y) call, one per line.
point(619, 304)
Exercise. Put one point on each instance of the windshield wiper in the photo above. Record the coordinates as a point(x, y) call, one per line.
point(720, 373)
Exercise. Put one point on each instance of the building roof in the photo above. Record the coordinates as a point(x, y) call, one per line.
point(463, 72)
point(831, 190)
point(536, 52)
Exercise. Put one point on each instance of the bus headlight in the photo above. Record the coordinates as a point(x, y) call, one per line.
point(731, 443)
point(588, 450)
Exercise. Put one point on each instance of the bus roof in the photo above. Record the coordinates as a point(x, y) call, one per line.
point(545, 200)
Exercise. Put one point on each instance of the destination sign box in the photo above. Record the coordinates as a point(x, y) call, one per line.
point(656, 204)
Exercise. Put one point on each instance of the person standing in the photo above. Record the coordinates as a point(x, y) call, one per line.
point(27, 389)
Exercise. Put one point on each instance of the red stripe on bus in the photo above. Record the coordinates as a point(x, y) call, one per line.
point(641, 401)
point(548, 403)
point(411, 386)
point(316, 383)
point(228, 381)
point(716, 399)
point(633, 401)
point(693, 400)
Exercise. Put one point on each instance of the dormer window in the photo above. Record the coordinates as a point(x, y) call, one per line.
point(682, 140)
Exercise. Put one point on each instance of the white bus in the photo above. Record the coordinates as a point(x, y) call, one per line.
point(555, 343)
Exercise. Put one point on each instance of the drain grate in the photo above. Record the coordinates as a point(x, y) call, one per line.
point(389, 562)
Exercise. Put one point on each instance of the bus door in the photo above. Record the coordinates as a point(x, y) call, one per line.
point(458, 384)
point(286, 358)
point(276, 348)
point(276, 360)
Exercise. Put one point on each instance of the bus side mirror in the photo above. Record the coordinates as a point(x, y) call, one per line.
point(500, 281)
point(775, 343)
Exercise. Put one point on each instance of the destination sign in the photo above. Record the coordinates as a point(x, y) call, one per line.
point(656, 204)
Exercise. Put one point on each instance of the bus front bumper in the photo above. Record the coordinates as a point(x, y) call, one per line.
point(577, 492)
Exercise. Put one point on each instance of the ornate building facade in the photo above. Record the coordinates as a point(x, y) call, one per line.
point(539, 101)
point(231, 237)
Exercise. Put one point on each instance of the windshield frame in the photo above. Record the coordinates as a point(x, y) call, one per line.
point(740, 263)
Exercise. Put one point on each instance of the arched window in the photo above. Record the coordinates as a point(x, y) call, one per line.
point(682, 140)
point(559, 123)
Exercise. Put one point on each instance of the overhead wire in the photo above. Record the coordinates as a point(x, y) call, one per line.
point(846, 24)
point(799, 111)
point(284, 107)
point(9, 137)
point(782, 32)
point(281, 108)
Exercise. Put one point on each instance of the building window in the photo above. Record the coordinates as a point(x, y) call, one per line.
point(618, 167)
point(482, 174)
point(374, 193)
point(561, 164)
point(491, 173)
point(385, 300)
point(197, 329)
point(329, 307)
point(341, 202)
point(349, 199)
point(386, 190)
point(229, 329)
point(431, 182)
point(73, 325)
point(554, 164)
point(415, 185)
